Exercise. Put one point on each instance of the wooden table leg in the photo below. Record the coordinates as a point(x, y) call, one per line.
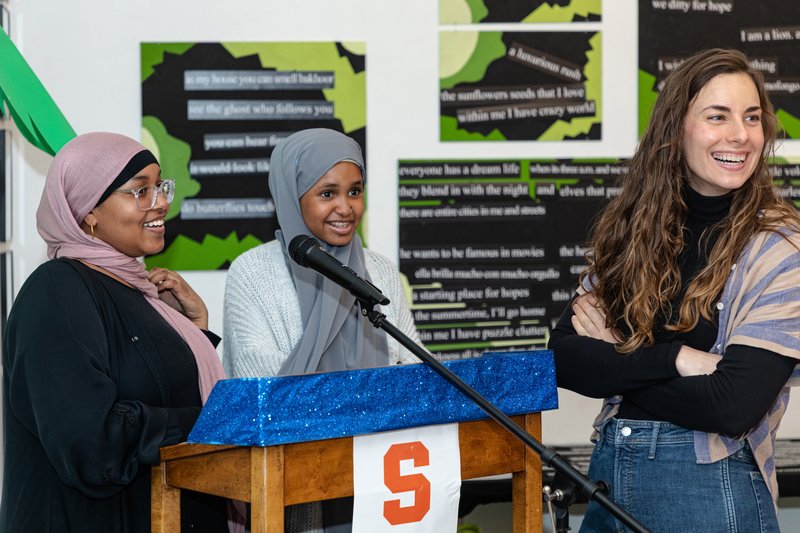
point(165, 516)
point(266, 489)
point(527, 486)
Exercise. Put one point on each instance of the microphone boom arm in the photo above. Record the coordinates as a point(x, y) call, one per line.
point(590, 489)
point(306, 251)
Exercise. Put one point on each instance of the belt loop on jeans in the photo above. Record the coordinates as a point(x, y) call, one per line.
point(606, 425)
point(654, 440)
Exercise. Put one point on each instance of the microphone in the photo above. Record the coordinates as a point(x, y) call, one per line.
point(306, 252)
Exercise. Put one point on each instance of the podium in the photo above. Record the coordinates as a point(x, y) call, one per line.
point(280, 441)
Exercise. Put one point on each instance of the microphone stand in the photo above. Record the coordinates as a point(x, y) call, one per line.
point(593, 491)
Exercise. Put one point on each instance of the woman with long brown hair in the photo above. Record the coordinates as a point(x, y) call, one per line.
point(688, 316)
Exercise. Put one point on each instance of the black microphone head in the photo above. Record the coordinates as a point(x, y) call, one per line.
point(299, 248)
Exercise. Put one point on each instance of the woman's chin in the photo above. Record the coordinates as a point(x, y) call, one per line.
point(337, 240)
point(154, 249)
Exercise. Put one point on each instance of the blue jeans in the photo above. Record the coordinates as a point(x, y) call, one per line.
point(653, 474)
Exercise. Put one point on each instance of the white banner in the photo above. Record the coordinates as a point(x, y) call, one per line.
point(407, 481)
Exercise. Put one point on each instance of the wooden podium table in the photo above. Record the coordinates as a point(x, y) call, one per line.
point(273, 477)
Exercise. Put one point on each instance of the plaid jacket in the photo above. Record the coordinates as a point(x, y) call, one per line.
point(759, 307)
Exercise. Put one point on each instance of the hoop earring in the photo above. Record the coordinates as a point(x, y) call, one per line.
point(91, 229)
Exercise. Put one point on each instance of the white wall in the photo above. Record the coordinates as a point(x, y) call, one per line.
point(86, 52)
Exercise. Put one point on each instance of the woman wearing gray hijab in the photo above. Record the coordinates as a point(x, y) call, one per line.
point(281, 318)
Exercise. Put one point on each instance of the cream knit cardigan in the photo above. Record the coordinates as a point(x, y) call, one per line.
point(262, 314)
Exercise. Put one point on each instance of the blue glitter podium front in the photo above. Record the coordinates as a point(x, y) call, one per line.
point(287, 409)
point(275, 442)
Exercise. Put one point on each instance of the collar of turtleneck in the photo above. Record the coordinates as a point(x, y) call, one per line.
point(707, 210)
point(704, 212)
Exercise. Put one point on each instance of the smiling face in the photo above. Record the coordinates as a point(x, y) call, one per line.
point(333, 206)
point(723, 138)
point(132, 231)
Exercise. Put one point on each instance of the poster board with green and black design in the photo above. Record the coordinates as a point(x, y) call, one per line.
point(671, 30)
point(520, 86)
point(493, 249)
point(524, 11)
point(213, 112)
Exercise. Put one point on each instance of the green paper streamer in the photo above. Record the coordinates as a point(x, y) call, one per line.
point(34, 112)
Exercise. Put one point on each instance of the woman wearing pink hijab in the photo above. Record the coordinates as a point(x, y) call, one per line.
point(104, 362)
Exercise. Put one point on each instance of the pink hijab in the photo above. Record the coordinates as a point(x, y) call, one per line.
point(79, 174)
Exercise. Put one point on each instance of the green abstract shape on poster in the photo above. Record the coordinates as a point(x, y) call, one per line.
point(456, 48)
point(349, 94)
point(358, 48)
point(594, 92)
point(33, 110)
point(647, 99)
point(461, 11)
point(556, 13)
point(525, 177)
point(173, 154)
point(449, 131)
point(489, 47)
point(790, 123)
point(153, 54)
point(478, 9)
point(211, 254)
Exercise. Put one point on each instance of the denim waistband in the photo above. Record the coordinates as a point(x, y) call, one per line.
point(645, 432)
point(651, 434)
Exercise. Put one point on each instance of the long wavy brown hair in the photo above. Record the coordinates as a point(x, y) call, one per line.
point(634, 245)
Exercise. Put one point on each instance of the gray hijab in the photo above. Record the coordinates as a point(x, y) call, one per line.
point(335, 335)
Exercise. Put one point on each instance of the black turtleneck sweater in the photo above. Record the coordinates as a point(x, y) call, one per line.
point(730, 401)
